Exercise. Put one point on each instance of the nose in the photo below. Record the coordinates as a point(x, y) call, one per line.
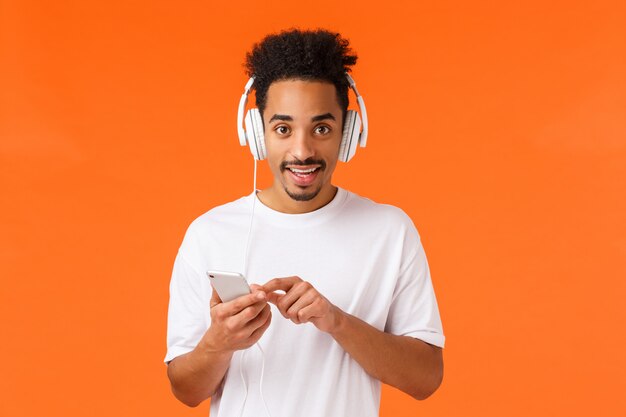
point(302, 146)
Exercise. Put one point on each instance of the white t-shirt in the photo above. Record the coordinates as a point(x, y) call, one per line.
point(365, 258)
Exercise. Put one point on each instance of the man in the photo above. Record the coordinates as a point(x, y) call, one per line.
point(346, 299)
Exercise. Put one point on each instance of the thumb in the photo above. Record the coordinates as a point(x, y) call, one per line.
point(274, 297)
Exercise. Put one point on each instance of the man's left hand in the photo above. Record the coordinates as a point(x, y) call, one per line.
point(302, 303)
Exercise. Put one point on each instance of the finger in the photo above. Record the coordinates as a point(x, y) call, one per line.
point(283, 284)
point(256, 335)
point(249, 313)
point(297, 291)
point(309, 312)
point(235, 306)
point(274, 297)
point(215, 299)
point(259, 320)
point(306, 300)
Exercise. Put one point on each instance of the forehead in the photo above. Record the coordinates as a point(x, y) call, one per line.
point(301, 96)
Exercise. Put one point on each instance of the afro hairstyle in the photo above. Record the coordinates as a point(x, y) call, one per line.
point(317, 55)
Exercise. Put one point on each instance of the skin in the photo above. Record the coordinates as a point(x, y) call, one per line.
point(303, 122)
point(235, 325)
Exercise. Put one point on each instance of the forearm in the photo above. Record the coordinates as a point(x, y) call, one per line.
point(409, 364)
point(197, 375)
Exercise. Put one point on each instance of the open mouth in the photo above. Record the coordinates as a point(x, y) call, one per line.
point(303, 177)
point(303, 173)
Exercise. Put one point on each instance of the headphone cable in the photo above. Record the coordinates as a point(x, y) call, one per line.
point(245, 274)
point(245, 257)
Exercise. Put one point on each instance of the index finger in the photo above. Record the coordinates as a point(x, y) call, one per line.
point(283, 284)
point(233, 307)
point(215, 298)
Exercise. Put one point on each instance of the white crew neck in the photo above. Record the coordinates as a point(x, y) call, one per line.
point(311, 218)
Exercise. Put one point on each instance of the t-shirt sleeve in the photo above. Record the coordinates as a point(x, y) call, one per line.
point(188, 314)
point(414, 311)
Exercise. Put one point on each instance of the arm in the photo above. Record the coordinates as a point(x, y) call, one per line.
point(413, 366)
point(196, 376)
point(235, 325)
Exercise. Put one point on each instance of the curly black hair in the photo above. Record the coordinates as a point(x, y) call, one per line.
point(317, 55)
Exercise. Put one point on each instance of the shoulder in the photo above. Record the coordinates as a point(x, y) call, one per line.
point(217, 222)
point(385, 224)
point(225, 213)
point(386, 214)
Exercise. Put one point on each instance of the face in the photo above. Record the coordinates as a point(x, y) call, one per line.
point(303, 128)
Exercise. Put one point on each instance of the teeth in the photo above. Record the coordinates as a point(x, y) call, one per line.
point(302, 171)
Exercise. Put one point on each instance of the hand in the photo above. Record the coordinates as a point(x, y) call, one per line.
point(302, 303)
point(239, 323)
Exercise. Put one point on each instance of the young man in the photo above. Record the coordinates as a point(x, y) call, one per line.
point(343, 298)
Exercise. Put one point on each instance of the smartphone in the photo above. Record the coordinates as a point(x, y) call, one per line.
point(229, 285)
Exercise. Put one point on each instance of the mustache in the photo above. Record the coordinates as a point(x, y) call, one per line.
point(308, 161)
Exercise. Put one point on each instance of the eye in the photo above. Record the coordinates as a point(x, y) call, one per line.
point(322, 130)
point(281, 130)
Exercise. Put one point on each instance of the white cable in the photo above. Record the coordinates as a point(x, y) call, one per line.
point(245, 274)
point(267, 411)
point(243, 380)
point(245, 258)
point(243, 353)
point(245, 385)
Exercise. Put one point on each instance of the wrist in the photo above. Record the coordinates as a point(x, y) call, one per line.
point(207, 346)
point(338, 322)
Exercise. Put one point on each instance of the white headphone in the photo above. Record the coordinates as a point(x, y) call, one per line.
point(253, 134)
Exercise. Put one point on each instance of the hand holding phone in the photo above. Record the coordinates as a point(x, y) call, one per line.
point(239, 324)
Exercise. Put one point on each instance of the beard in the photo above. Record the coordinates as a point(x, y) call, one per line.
point(303, 196)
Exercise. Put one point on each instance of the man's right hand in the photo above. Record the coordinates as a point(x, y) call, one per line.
point(239, 323)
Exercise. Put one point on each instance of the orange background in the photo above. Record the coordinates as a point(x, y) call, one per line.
point(499, 128)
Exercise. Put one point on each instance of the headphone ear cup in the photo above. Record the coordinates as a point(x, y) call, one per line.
point(256, 136)
point(350, 137)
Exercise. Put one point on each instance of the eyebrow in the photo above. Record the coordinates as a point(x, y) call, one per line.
point(286, 118)
point(282, 117)
point(324, 116)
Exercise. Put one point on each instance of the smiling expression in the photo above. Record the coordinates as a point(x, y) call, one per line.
point(303, 128)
